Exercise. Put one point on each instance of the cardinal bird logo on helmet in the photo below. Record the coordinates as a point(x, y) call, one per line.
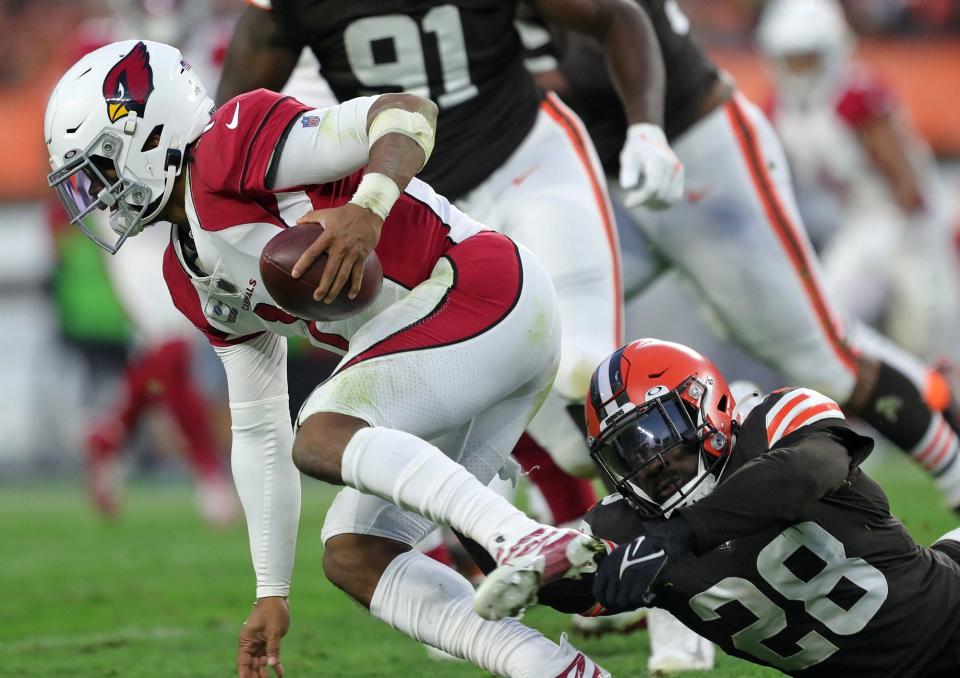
point(129, 84)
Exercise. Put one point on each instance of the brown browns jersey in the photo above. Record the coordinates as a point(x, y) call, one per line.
point(463, 54)
point(840, 590)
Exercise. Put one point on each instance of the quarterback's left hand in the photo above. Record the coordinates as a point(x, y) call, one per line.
point(259, 646)
point(625, 577)
point(650, 172)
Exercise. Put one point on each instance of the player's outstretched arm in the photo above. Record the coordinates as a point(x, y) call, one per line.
point(771, 489)
point(399, 132)
point(260, 54)
point(268, 484)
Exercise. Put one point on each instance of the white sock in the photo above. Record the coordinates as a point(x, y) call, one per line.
point(419, 477)
point(434, 605)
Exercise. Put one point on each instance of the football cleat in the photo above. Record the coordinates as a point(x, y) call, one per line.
point(581, 666)
point(674, 648)
point(103, 473)
point(543, 556)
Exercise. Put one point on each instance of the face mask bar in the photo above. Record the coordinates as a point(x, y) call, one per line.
point(655, 432)
point(126, 200)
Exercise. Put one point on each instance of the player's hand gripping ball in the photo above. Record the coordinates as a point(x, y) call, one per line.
point(295, 295)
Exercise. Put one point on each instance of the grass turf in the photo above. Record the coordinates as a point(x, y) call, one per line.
point(158, 594)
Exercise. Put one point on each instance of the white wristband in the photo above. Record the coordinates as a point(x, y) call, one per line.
point(377, 193)
point(410, 124)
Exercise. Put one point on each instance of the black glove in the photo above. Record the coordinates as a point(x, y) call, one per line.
point(625, 577)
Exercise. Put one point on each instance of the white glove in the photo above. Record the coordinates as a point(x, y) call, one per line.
point(650, 172)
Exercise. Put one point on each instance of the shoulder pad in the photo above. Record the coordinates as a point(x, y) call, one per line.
point(787, 410)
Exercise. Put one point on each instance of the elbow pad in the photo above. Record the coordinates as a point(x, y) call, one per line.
point(411, 124)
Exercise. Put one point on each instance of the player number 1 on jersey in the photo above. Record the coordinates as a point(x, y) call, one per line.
point(408, 70)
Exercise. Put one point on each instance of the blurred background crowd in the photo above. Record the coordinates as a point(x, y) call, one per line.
point(93, 370)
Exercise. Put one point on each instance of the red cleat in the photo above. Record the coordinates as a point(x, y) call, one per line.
point(102, 473)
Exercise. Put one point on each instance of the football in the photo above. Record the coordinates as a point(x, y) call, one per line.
point(295, 295)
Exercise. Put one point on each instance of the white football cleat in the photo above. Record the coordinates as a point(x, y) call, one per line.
point(575, 663)
point(545, 555)
point(674, 648)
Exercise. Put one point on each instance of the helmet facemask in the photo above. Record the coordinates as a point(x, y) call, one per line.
point(657, 455)
point(125, 198)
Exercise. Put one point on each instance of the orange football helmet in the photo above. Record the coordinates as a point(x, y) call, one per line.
point(659, 423)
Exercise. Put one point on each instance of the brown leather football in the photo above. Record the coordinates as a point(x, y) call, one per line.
point(295, 295)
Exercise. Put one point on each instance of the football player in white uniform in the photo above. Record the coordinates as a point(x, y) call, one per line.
point(532, 174)
point(890, 257)
point(439, 376)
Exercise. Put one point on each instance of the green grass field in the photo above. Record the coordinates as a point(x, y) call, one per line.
point(158, 594)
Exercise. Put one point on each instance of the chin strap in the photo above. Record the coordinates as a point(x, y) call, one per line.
point(702, 485)
point(174, 161)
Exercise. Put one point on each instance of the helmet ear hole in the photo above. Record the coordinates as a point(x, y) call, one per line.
point(723, 403)
point(153, 139)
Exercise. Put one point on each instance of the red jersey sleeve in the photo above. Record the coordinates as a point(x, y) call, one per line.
point(231, 159)
point(865, 98)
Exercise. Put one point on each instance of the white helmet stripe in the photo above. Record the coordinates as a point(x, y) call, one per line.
point(604, 386)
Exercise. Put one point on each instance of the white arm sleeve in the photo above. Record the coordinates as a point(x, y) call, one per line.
point(325, 144)
point(267, 481)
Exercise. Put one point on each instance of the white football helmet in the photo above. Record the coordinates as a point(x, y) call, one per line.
point(131, 107)
point(818, 28)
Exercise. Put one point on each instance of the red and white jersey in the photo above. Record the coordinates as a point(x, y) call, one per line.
point(234, 210)
point(824, 148)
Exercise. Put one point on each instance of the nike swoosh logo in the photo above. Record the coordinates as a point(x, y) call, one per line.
point(236, 118)
point(630, 559)
point(517, 180)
